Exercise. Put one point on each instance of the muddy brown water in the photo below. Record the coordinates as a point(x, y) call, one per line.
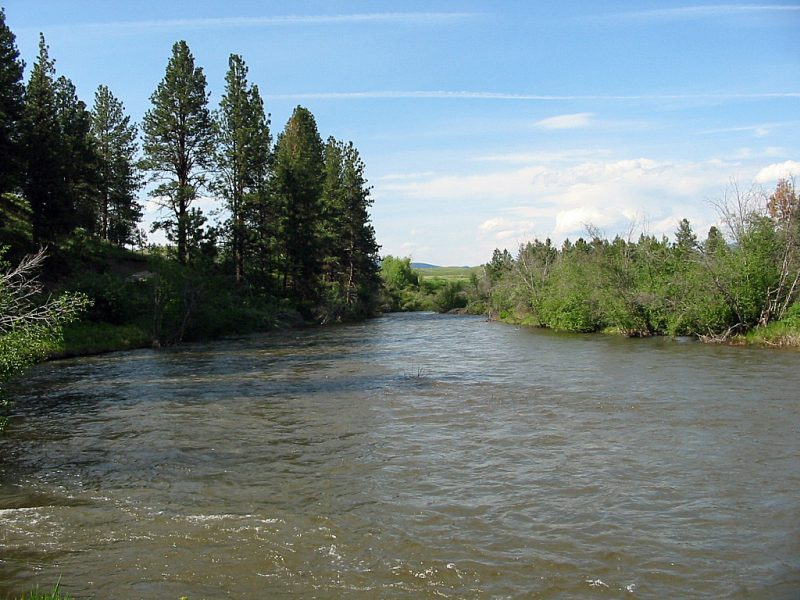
point(411, 456)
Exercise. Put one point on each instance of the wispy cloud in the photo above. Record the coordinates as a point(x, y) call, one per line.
point(758, 130)
point(703, 11)
point(571, 121)
point(471, 95)
point(420, 18)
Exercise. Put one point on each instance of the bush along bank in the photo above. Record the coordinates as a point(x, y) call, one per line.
point(736, 286)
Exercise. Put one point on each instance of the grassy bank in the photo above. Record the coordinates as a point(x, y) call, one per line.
point(781, 334)
point(37, 594)
point(774, 335)
point(85, 338)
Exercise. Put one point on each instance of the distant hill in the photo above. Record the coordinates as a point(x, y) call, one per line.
point(418, 265)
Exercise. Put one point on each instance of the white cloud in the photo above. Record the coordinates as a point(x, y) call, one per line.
point(571, 121)
point(576, 220)
point(559, 200)
point(784, 170)
point(504, 229)
point(507, 207)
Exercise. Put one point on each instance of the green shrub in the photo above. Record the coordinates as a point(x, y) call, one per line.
point(450, 296)
point(575, 312)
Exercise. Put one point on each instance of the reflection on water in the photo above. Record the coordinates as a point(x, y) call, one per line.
point(411, 456)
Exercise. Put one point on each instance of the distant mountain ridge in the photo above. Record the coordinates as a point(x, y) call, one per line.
point(421, 265)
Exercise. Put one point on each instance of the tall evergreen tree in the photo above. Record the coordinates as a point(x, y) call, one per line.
point(179, 141)
point(332, 217)
point(118, 178)
point(261, 210)
point(12, 106)
point(348, 236)
point(61, 182)
point(45, 188)
point(243, 156)
point(78, 157)
point(298, 180)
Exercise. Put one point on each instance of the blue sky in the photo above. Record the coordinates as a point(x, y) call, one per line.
point(483, 124)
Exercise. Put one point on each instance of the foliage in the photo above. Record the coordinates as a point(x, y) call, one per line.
point(450, 297)
point(243, 159)
point(298, 234)
point(87, 337)
point(118, 179)
point(179, 143)
point(12, 107)
point(715, 290)
point(350, 259)
point(44, 187)
point(298, 182)
point(30, 323)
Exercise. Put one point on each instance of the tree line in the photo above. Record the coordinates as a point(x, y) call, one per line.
point(297, 225)
point(739, 278)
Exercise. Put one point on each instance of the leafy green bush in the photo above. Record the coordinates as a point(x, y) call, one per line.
point(450, 297)
point(792, 316)
point(574, 312)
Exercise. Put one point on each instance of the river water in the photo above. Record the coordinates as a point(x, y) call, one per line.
point(410, 456)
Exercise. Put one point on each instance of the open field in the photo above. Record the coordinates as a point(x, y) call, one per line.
point(448, 273)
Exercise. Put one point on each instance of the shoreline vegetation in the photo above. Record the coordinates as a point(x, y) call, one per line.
point(738, 286)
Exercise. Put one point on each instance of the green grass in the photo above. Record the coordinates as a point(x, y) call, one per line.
point(775, 335)
point(86, 337)
point(449, 273)
point(54, 594)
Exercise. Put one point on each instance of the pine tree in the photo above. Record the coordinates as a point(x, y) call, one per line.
point(332, 214)
point(260, 208)
point(118, 178)
point(78, 157)
point(348, 238)
point(179, 141)
point(243, 156)
point(12, 106)
point(61, 177)
point(45, 188)
point(298, 179)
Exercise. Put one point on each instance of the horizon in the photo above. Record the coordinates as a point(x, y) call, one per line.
point(483, 126)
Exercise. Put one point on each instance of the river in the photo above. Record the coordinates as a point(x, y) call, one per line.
point(410, 456)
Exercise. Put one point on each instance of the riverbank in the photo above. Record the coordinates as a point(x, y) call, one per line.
point(88, 338)
point(781, 334)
